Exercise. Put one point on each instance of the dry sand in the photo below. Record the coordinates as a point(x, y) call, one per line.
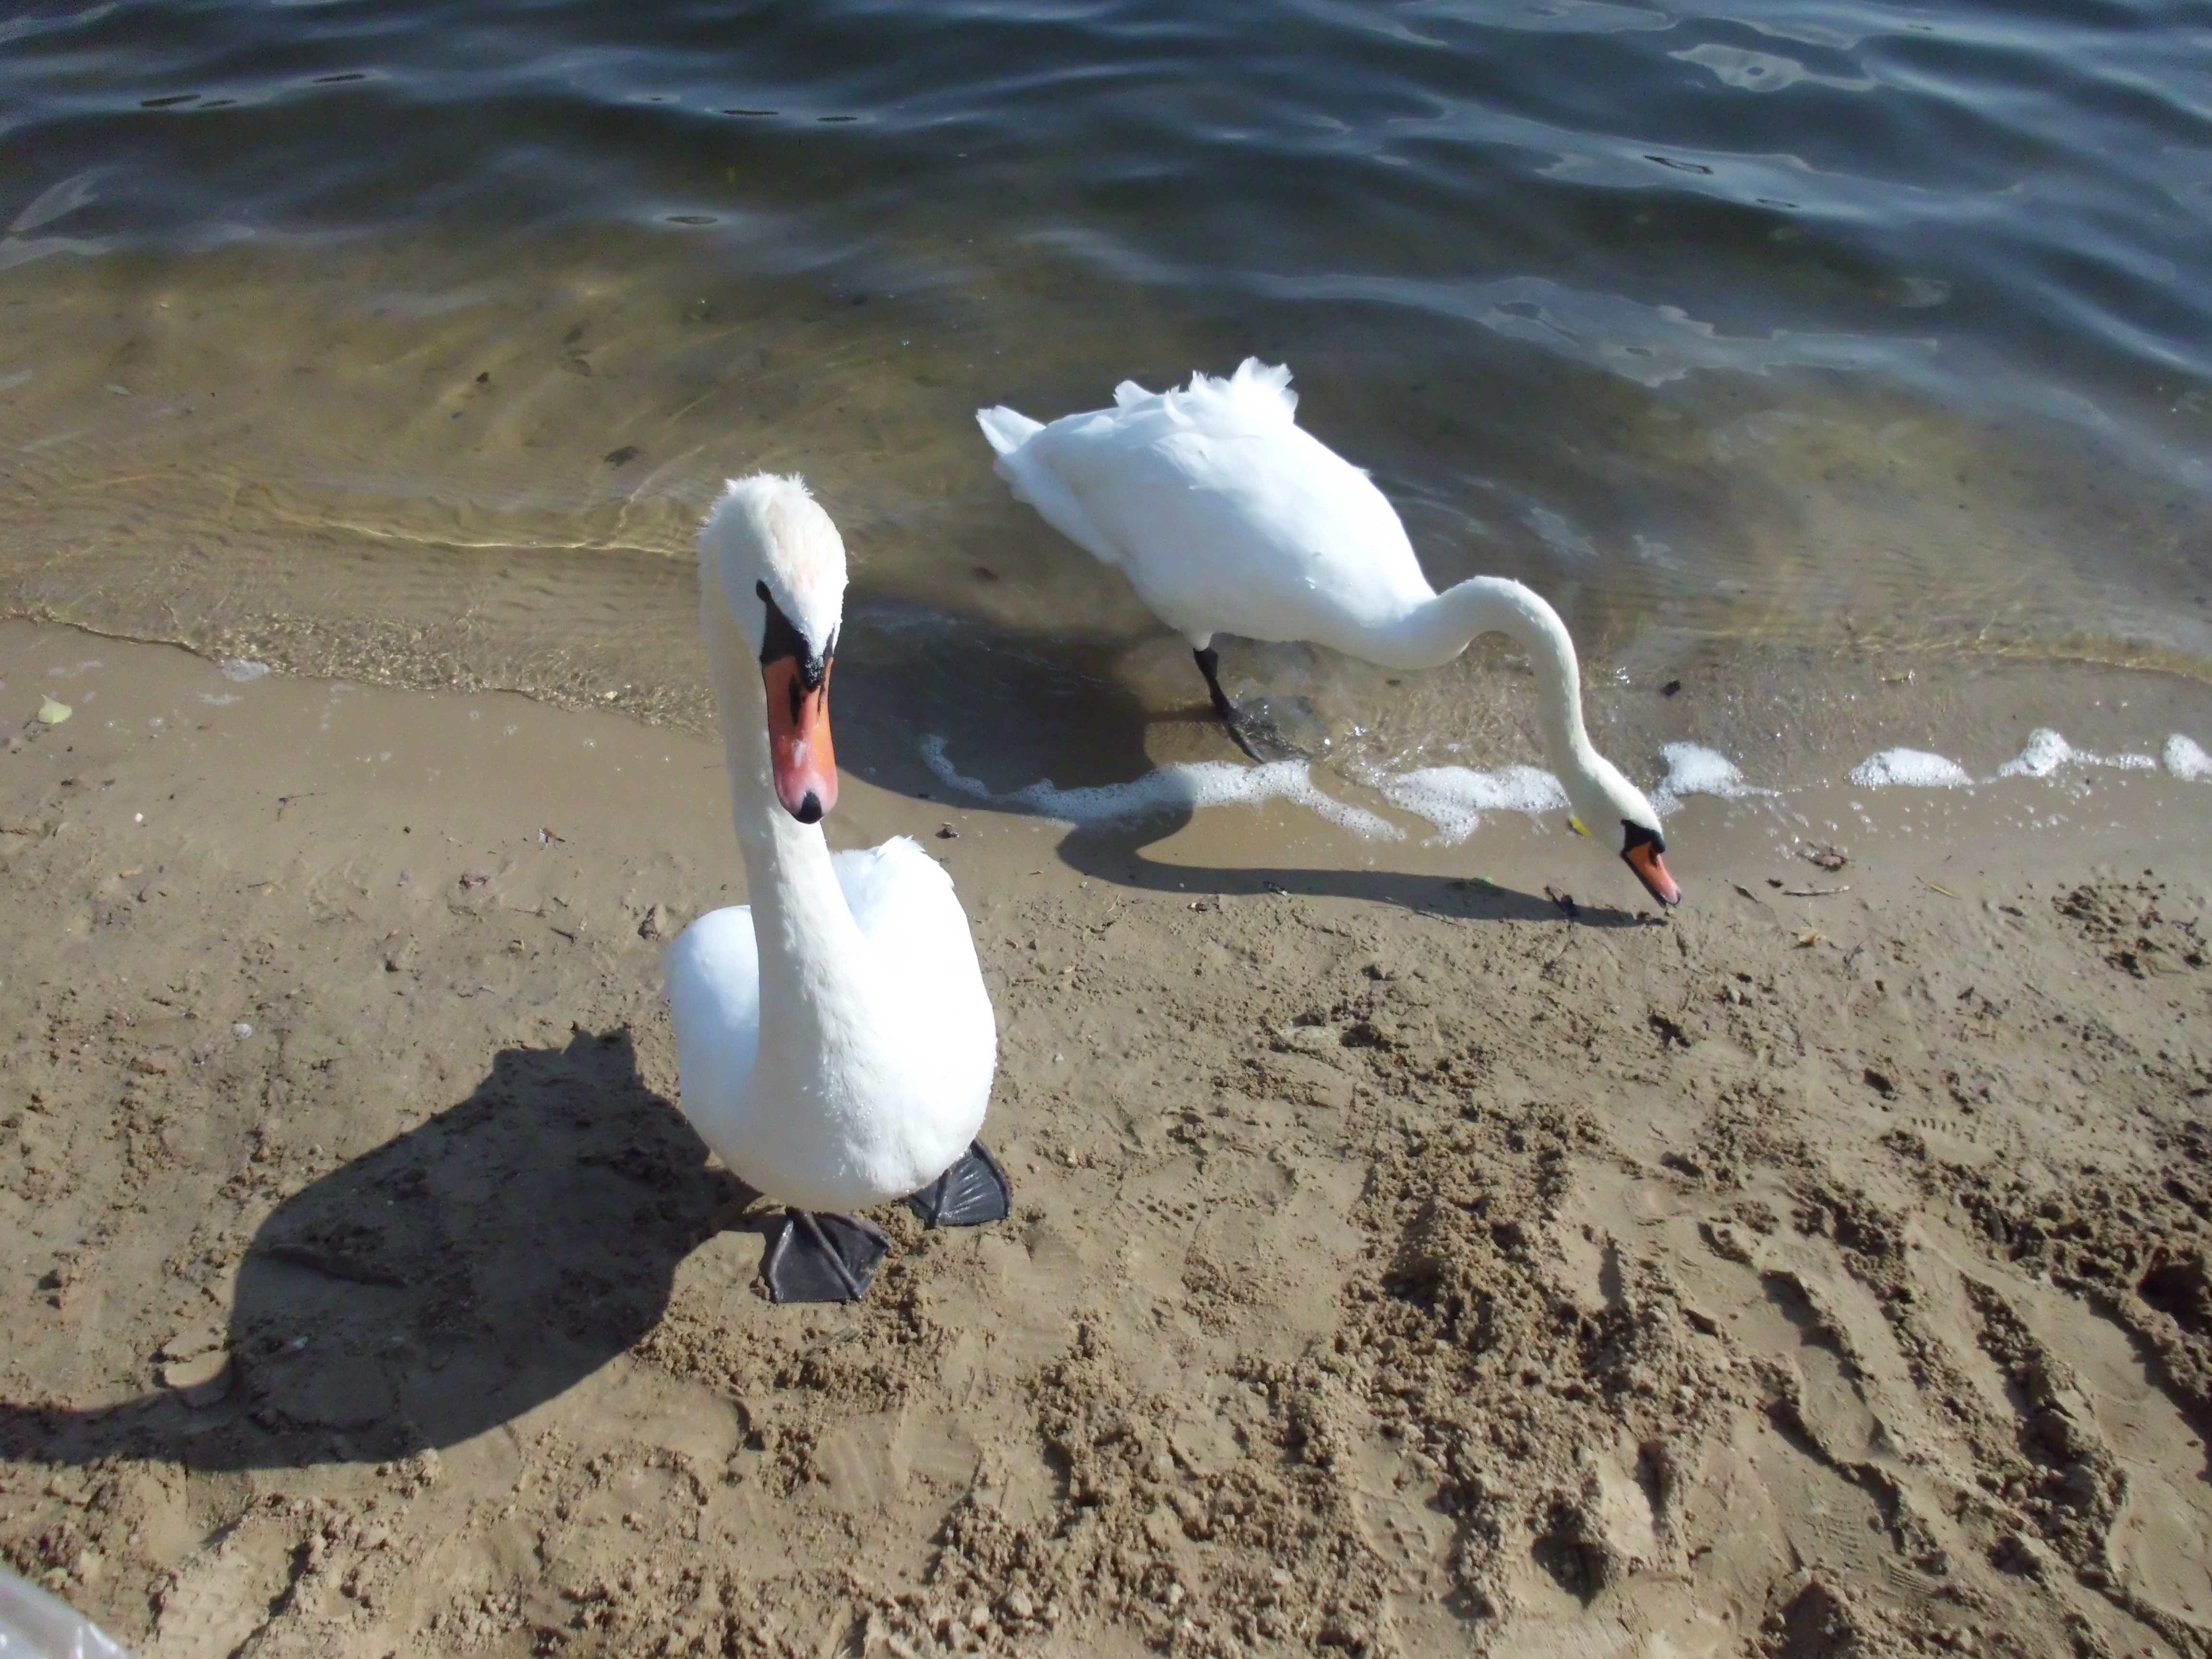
point(1401, 1266)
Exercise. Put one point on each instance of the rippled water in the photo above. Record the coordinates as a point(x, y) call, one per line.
point(410, 339)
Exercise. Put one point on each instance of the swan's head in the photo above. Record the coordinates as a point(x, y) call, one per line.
point(773, 561)
point(1609, 808)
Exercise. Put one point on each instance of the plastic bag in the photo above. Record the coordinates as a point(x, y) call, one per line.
point(36, 1625)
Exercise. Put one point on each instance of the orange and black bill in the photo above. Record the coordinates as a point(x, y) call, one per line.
point(796, 679)
point(1643, 854)
point(798, 737)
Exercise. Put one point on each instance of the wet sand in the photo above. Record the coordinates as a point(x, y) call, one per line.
point(1400, 1265)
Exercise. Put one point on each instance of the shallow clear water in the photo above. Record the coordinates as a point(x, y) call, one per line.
point(409, 339)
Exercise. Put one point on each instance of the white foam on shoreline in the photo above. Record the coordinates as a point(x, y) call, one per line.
point(1910, 768)
point(1695, 769)
point(1180, 786)
point(2046, 751)
point(242, 669)
point(1455, 797)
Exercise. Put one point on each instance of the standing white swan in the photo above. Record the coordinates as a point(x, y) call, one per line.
point(1228, 518)
point(835, 1039)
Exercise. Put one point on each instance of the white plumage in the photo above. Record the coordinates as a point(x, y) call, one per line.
point(835, 1037)
point(885, 1118)
point(1228, 516)
point(1225, 514)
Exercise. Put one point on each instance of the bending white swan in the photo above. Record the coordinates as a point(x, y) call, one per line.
point(1228, 518)
point(834, 1038)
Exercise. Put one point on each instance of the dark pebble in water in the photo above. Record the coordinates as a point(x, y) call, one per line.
point(623, 456)
point(747, 111)
point(948, 833)
point(484, 379)
point(985, 574)
point(691, 219)
point(1670, 688)
point(833, 120)
point(164, 103)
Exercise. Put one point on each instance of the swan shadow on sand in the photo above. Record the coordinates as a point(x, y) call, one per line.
point(1055, 705)
point(443, 1284)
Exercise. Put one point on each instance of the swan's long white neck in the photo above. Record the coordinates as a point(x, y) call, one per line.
point(1437, 629)
point(813, 959)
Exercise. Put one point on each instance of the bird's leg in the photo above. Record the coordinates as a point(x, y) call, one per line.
point(1209, 664)
point(821, 1257)
point(1257, 730)
point(973, 1192)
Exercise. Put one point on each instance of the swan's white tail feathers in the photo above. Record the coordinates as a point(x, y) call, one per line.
point(1007, 429)
point(1129, 392)
point(766, 486)
point(1261, 390)
point(1269, 377)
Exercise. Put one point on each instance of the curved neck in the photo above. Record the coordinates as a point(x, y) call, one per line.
point(803, 925)
point(1440, 628)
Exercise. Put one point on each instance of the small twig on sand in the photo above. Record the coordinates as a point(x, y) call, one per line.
point(1814, 892)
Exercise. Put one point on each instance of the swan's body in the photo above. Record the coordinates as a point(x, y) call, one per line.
point(875, 1100)
point(1228, 518)
point(834, 1038)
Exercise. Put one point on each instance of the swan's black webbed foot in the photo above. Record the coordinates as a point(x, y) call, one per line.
point(821, 1257)
point(1258, 732)
point(974, 1192)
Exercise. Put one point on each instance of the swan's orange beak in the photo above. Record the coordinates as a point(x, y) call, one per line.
point(1651, 870)
point(798, 738)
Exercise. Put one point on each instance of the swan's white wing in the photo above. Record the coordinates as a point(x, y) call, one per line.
point(907, 910)
point(1231, 518)
point(714, 994)
point(906, 907)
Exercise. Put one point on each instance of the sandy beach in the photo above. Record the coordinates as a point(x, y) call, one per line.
point(1401, 1265)
point(1421, 1248)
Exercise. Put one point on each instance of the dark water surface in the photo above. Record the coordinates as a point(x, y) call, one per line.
point(409, 339)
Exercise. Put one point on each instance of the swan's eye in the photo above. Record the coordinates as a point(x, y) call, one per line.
point(1634, 834)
